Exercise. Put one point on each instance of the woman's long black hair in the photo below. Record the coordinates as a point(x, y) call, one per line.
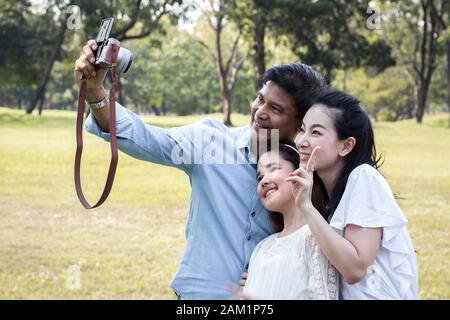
point(350, 120)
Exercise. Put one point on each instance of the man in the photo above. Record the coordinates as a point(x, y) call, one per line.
point(226, 219)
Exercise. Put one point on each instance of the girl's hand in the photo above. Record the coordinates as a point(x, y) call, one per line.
point(302, 182)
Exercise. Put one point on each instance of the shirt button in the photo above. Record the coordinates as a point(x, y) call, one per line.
point(253, 214)
point(249, 237)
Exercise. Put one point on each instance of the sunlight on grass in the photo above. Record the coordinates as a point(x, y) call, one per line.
point(132, 245)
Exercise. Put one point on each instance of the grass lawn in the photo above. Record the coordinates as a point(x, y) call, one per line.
point(130, 247)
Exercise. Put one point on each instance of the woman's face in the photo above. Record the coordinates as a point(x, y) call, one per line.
point(274, 192)
point(318, 130)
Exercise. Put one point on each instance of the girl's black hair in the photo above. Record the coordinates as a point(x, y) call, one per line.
point(288, 151)
point(350, 120)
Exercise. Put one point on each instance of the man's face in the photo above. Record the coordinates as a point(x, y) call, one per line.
point(273, 108)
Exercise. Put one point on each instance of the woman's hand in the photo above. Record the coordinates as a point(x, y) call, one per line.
point(302, 182)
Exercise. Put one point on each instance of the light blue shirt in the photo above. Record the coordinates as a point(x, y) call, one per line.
point(226, 219)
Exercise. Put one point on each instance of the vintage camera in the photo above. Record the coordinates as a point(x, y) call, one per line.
point(109, 49)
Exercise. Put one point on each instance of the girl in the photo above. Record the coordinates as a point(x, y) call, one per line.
point(288, 264)
point(366, 238)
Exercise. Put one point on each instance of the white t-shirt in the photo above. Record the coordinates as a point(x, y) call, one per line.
point(368, 202)
point(291, 267)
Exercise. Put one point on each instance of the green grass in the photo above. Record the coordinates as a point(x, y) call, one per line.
point(131, 246)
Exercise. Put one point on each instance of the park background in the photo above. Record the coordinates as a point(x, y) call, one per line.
point(192, 60)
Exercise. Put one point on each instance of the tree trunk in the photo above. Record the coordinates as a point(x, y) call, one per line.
point(420, 105)
point(164, 105)
point(228, 70)
point(327, 77)
point(448, 78)
point(51, 60)
point(222, 74)
point(438, 15)
point(41, 103)
point(411, 107)
point(344, 85)
point(226, 98)
point(422, 100)
point(447, 46)
point(227, 110)
point(219, 66)
point(427, 57)
point(260, 54)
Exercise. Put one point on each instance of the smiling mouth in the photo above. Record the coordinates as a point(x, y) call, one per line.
point(257, 126)
point(270, 191)
point(304, 156)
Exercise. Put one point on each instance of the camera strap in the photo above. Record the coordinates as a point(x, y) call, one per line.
point(79, 136)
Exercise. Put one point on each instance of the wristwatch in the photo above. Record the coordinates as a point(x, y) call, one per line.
point(99, 104)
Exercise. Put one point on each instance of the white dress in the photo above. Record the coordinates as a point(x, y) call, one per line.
point(291, 267)
point(368, 202)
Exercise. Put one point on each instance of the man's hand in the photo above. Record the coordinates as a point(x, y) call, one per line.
point(94, 77)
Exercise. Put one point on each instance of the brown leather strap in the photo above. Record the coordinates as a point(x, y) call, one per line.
point(79, 134)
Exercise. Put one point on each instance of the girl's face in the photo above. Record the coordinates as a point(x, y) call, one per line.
point(274, 192)
point(318, 130)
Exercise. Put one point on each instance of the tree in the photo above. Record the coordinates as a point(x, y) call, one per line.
point(326, 34)
point(138, 19)
point(260, 24)
point(172, 74)
point(21, 54)
point(383, 96)
point(425, 65)
point(253, 16)
point(444, 24)
point(39, 94)
point(421, 38)
point(217, 14)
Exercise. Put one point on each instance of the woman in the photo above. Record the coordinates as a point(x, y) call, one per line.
point(288, 264)
point(366, 238)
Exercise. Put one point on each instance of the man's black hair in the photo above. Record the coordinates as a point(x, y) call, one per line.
point(300, 81)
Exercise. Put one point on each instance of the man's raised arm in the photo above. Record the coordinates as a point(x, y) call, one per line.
point(95, 77)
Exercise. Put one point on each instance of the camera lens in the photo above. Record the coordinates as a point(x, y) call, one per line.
point(124, 60)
